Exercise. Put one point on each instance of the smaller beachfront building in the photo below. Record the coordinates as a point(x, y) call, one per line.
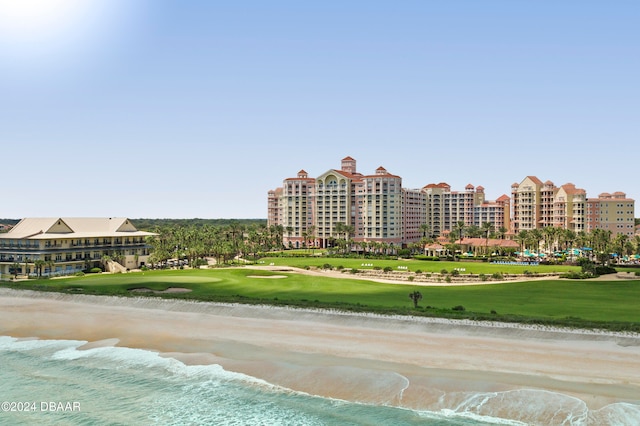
point(64, 245)
point(472, 247)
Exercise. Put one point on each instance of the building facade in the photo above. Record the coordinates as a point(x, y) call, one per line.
point(62, 246)
point(611, 212)
point(374, 207)
point(446, 209)
point(538, 205)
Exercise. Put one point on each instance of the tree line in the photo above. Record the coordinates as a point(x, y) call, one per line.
point(224, 243)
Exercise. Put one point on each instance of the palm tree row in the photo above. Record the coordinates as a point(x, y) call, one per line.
point(223, 243)
point(601, 242)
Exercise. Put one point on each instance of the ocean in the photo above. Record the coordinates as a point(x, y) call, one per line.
point(52, 382)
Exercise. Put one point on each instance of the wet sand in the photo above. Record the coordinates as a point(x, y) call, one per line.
point(412, 362)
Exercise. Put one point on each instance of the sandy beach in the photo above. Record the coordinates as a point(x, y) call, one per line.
point(410, 362)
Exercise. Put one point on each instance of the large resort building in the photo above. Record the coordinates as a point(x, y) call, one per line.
point(375, 207)
point(538, 205)
point(63, 246)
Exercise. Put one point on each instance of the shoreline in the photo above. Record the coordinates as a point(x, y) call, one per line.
point(413, 362)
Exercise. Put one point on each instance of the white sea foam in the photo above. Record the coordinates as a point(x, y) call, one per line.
point(537, 407)
point(451, 414)
point(616, 414)
point(131, 358)
point(210, 383)
point(8, 343)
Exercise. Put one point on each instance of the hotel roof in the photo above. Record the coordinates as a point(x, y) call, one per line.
point(73, 227)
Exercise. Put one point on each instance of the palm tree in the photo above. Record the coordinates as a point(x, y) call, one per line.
point(415, 296)
point(26, 266)
point(105, 261)
point(277, 232)
point(535, 236)
point(486, 228)
point(461, 229)
point(15, 267)
point(619, 243)
point(39, 264)
point(289, 232)
point(636, 244)
point(581, 239)
point(308, 236)
point(349, 230)
point(473, 231)
point(338, 230)
point(425, 230)
point(568, 236)
point(549, 233)
point(601, 243)
point(521, 238)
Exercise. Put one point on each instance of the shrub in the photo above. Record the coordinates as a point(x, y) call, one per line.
point(200, 262)
point(354, 271)
point(458, 308)
point(419, 271)
point(377, 268)
point(448, 278)
point(574, 275)
point(603, 270)
point(388, 269)
point(444, 272)
point(340, 267)
point(423, 257)
point(79, 274)
point(483, 277)
point(405, 253)
point(411, 278)
point(493, 312)
point(327, 266)
point(455, 273)
point(586, 265)
point(496, 276)
point(95, 270)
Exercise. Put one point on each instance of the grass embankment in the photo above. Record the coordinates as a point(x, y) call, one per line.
point(587, 304)
point(418, 265)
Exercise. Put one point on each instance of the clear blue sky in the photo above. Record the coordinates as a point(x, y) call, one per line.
point(166, 109)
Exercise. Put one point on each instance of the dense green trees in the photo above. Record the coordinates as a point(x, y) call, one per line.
point(600, 243)
point(246, 240)
point(224, 243)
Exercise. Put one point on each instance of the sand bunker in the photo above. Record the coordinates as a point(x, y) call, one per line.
point(266, 276)
point(169, 290)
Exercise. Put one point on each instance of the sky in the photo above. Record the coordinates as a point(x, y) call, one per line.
point(196, 109)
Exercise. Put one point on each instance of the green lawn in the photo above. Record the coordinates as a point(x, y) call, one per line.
point(600, 304)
